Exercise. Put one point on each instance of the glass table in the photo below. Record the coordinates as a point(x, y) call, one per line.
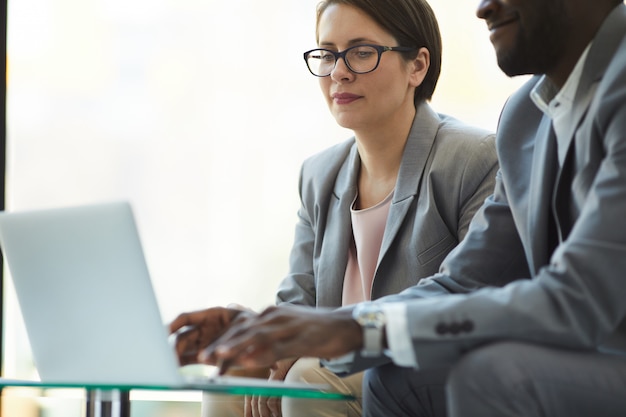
point(113, 400)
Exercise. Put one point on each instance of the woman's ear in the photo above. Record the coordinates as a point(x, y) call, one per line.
point(419, 67)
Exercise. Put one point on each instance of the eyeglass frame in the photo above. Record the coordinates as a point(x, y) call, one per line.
point(379, 48)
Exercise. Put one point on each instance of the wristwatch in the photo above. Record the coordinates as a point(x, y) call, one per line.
point(372, 320)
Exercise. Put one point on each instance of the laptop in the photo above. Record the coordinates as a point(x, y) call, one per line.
point(88, 304)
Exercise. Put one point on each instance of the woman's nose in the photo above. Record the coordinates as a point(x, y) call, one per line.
point(341, 72)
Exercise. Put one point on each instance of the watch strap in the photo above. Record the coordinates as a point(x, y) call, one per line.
point(372, 341)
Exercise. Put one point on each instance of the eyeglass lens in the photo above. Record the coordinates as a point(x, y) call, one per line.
point(359, 59)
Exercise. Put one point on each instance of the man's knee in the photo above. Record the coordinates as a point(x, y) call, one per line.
point(378, 399)
point(395, 391)
point(377, 378)
point(492, 376)
point(499, 365)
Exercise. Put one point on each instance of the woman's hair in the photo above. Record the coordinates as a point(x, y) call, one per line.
point(411, 23)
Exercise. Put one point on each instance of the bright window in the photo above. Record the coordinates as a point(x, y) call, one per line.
point(175, 106)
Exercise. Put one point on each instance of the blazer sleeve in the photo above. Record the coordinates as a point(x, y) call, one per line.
point(576, 300)
point(316, 188)
point(491, 255)
point(299, 286)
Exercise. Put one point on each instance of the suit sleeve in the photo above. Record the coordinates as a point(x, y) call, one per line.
point(485, 293)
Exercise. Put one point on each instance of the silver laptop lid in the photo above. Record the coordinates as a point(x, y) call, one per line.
point(85, 294)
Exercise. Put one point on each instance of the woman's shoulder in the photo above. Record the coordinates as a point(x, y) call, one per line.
point(452, 129)
point(459, 138)
point(335, 155)
point(450, 133)
point(325, 170)
point(463, 147)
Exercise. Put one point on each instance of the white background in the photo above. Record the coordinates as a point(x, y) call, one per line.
point(199, 113)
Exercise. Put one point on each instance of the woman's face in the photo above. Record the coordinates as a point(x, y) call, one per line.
point(375, 99)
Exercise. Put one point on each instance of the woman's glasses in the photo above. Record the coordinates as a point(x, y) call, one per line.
point(359, 59)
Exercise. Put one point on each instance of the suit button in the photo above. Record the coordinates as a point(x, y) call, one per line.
point(455, 328)
point(467, 326)
point(441, 328)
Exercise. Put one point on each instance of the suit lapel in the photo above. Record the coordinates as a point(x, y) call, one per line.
point(542, 180)
point(339, 229)
point(338, 233)
point(600, 54)
point(416, 152)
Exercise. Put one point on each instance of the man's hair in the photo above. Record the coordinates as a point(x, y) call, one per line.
point(411, 23)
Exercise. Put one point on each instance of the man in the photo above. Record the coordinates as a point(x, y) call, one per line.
point(526, 314)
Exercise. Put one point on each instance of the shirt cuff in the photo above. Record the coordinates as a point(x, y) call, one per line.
point(398, 335)
point(339, 365)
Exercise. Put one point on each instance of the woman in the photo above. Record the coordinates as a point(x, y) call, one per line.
point(381, 210)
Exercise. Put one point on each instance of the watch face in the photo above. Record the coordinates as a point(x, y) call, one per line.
point(374, 316)
point(372, 321)
point(370, 316)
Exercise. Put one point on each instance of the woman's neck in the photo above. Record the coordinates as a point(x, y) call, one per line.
point(381, 153)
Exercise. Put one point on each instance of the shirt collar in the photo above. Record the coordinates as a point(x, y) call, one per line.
point(546, 92)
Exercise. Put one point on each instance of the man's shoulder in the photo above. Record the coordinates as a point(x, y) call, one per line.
point(519, 108)
point(616, 68)
point(522, 95)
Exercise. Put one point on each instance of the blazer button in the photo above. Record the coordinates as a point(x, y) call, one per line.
point(467, 326)
point(441, 328)
point(455, 328)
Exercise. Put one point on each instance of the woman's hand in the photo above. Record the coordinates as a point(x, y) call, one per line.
point(256, 406)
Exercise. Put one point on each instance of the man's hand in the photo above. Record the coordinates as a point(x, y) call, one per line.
point(285, 332)
point(196, 330)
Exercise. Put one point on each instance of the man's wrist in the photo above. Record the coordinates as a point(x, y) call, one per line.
point(372, 320)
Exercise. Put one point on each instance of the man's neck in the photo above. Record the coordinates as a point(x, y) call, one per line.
point(586, 21)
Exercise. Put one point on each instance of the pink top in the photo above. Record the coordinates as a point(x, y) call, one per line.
point(368, 227)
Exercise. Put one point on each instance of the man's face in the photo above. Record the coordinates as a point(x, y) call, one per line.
point(528, 35)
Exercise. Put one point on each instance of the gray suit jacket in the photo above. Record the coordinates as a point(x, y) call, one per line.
point(447, 171)
point(510, 282)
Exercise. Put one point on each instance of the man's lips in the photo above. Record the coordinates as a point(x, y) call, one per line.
point(492, 26)
point(499, 28)
point(345, 98)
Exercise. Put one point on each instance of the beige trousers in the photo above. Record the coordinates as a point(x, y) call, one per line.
point(304, 370)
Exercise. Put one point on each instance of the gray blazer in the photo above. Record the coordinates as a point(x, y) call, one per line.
point(522, 288)
point(448, 169)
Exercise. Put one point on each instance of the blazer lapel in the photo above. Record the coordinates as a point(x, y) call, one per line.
point(602, 50)
point(332, 268)
point(416, 152)
point(542, 182)
point(606, 42)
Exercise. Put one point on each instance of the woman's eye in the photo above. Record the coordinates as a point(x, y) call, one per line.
point(326, 57)
point(363, 53)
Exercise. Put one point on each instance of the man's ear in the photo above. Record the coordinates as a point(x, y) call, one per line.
point(419, 67)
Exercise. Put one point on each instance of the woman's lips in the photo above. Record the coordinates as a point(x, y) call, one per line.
point(345, 98)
